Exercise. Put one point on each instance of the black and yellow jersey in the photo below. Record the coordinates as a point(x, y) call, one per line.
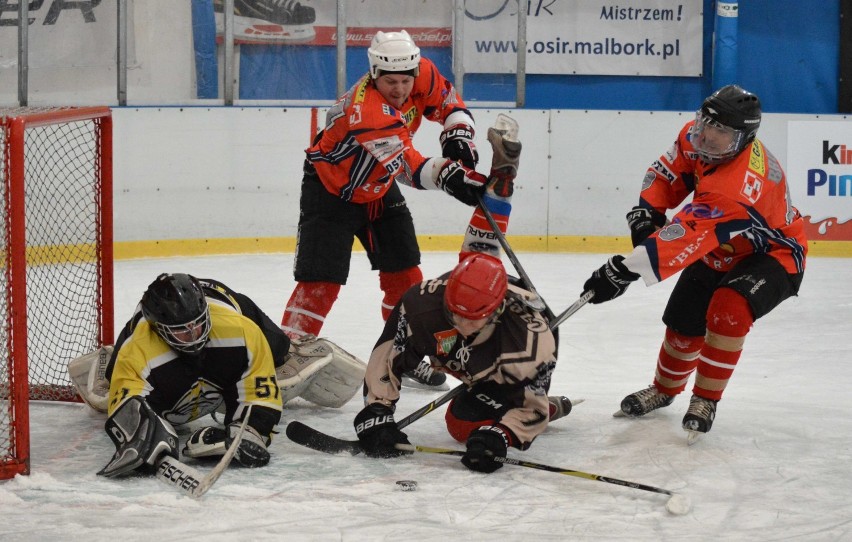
point(235, 368)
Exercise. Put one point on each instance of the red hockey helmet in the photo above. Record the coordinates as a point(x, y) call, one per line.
point(476, 287)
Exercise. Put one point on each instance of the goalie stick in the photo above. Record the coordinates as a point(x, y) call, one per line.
point(678, 504)
point(190, 480)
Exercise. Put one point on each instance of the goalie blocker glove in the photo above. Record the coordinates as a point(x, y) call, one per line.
point(140, 437)
point(483, 445)
point(643, 222)
point(610, 280)
point(378, 432)
point(457, 145)
point(462, 183)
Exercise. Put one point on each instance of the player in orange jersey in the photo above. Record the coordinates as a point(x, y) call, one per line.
point(740, 244)
point(351, 175)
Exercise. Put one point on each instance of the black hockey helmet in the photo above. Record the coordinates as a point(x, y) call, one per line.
point(730, 108)
point(175, 306)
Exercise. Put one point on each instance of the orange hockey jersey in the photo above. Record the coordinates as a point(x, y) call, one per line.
point(738, 208)
point(366, 143)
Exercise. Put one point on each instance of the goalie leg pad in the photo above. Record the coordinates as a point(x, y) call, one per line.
point(88, 373)
point(140, 437)
point(335, 384)
point(303, 363)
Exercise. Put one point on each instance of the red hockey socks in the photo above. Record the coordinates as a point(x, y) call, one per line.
point(308, 306)
point(395, 284)
point(729, 320)
point(678, 358)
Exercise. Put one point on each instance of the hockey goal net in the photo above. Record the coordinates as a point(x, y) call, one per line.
point(56, 289)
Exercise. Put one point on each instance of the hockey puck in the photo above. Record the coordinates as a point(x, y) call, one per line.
point(407, 485)
point(679, 505)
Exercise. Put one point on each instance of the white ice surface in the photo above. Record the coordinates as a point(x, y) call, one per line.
point(776, 465)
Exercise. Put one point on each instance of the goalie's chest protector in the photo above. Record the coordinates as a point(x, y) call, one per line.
point(188, 388)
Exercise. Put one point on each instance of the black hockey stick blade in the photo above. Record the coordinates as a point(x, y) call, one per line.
point(316, 440)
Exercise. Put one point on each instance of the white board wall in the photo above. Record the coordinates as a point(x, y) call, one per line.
point(220, 172)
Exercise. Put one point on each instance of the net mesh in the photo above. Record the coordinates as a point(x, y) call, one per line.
point(63, 269)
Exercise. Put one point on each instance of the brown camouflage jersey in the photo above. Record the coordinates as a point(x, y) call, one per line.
point(518, 351)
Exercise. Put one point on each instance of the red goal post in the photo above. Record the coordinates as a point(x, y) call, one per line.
point(56, 289)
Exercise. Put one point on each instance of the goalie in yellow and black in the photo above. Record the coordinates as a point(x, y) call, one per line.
point(195, 347)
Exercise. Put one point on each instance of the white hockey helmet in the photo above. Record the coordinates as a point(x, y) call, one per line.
point(393, 52)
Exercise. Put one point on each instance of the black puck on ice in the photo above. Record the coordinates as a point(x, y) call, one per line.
point(407, 485)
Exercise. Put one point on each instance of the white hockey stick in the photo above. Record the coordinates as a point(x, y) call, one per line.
point(190, 480)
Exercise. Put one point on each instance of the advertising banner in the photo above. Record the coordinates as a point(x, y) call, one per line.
point(589, 37)
point(645, 37)
point(819, 171)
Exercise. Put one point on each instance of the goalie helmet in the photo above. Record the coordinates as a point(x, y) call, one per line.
point(393, 52)
point(734, 114)
point(175, 306)
point(476, 287)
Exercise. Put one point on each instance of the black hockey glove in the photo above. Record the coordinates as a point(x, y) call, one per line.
point(643, 222)
point(610, 281)
point(457, 145)
point(378, 433)
point(462, 183)
point(251, 452)
point(483, 445)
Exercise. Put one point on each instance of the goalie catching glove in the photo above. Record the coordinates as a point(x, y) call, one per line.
point(214, 442)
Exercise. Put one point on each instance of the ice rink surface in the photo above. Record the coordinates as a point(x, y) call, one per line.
point(774, 467)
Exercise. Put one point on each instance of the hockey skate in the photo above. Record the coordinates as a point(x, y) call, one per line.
point(642, 402)
point(560, 406)
point(424, 377)
point(699, 418)
point(268, 21)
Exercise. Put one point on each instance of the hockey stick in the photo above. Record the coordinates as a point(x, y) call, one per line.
point(321, 442)
point(567, 313)
point(190, 480)
point(677, 504)
point(511, 255)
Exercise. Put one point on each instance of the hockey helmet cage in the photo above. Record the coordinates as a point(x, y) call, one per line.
point(732, 109)
point(393, 52)
point(476, 287)
point(175, 306)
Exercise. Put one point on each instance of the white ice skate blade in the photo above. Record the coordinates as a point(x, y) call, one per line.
point(693, 436)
